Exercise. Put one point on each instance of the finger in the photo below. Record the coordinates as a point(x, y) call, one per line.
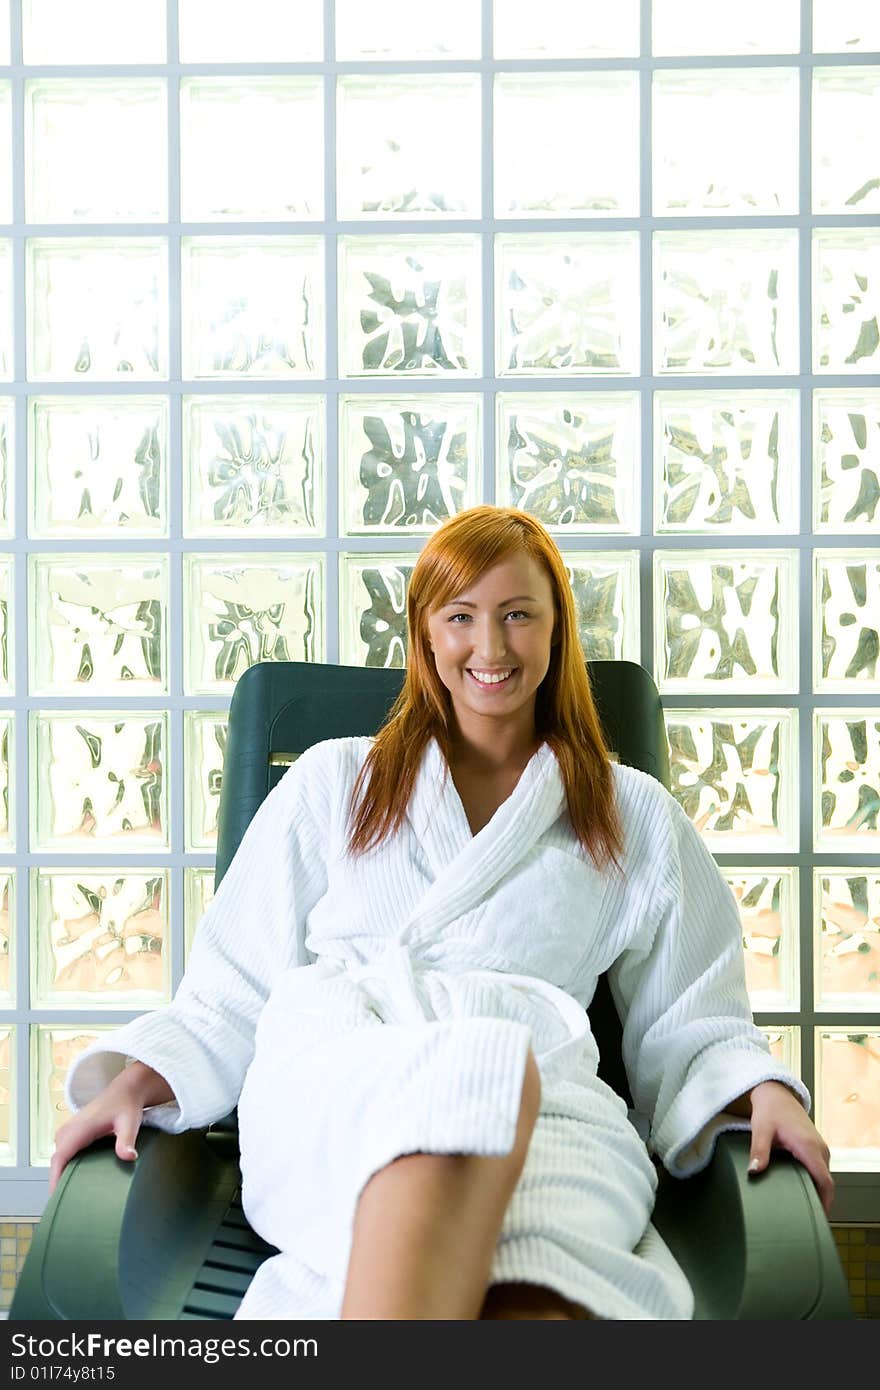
point(816, 1163)
point(824, 1185)
point(759, 1154)
point(56, 1168)
point(59, 1160)
point(127, 1127)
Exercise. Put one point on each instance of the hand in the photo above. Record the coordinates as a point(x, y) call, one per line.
point(118, 1109)
point(780, 1121)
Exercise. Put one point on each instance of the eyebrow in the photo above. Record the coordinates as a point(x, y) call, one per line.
point(464, 603)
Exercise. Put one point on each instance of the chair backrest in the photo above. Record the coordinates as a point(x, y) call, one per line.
point(279, 709)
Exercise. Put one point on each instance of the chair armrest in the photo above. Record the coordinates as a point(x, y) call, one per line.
point(141, 1227)
point(752, 1248)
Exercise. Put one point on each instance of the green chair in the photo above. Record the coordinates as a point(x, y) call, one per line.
point(166, 1238)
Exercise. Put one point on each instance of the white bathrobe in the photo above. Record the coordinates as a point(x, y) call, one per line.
point(359, 1009)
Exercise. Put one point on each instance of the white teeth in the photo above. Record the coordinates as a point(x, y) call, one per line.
point(491, 680)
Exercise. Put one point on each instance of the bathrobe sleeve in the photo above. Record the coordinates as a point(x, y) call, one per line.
point(253, 929)
point(689, 1043)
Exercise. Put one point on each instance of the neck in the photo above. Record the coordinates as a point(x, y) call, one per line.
point(503, 755)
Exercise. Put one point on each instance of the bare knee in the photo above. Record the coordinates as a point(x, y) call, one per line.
point(531, 1092)
point(530, 1104)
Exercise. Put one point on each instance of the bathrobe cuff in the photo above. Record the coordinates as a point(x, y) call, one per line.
point(685, 1140)
point(160, 1042)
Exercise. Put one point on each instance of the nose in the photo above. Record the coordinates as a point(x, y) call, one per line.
point(490, 642)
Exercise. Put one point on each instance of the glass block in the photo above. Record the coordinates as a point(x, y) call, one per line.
point(409, 146)
point(605, 587)
point(251, 149)
point(7, 679)
point(7, 787)
point(567, 303)
point(225, 31)
point(785, 1047)
point(691, 28)
point(254, 465)
point(846, 275)
point(98, 466)
point(100, 938)
point(96, 150)
point(846, 803)
point(97, 309)
point(7, 1097)
point(726, 463)
point(846, 621)
point(6, 359)
point(93, 31)
point(5, 135)
point(558, 29)
point(391, 29)
point(725, 141)
point(848, 1095)
point(205, 733)
point(407, 462)
point(7, 467)
point(767, 899)
point(726, 621)
point(252, 306)
point(409, 304)
point(846, 26)
point(7, 939)
point(372, 609)
point(726, 301)
point(536, 115)
point(373, 628)
point(846, 162)
point(571, 460)
point(846, 461)
point(735, 774)
point(99, 781)
point(847, 937)
point(239, 609)
point(198, 891)
point(104, 619)
point(53, 1052)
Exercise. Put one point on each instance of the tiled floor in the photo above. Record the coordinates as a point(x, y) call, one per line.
point(15, 1242)
point(858, 1247)
point(859, 1250)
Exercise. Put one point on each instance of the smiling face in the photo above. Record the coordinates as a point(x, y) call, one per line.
point(503, 624)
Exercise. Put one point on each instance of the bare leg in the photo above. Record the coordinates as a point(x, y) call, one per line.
point(426, 1227)
point(531, 1302)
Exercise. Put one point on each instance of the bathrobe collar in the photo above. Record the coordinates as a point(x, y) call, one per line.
point(466, 866)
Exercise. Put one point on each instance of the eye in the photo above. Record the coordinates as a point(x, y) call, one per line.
point(510, 613)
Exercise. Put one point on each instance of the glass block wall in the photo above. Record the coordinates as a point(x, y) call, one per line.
point(281, 288)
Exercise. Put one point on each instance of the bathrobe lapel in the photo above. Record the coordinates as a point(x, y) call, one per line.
point(467, 866)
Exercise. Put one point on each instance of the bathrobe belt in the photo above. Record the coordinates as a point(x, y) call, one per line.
point(397, 966)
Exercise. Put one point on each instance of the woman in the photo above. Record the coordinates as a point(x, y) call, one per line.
point(392, 979)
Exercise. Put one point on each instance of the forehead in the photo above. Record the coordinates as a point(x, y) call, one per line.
point(518, 574)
